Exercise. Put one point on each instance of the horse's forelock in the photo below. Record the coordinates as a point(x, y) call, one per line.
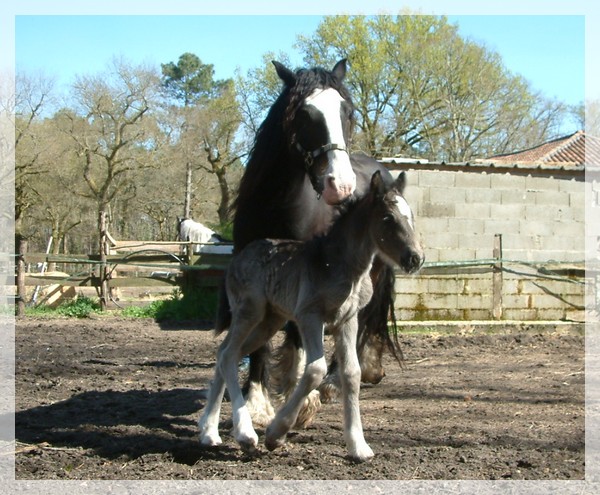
point(307, 81)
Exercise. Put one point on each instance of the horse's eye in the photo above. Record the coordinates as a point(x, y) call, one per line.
point(388, 218)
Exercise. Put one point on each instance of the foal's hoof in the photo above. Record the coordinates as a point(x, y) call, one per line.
point(248, 446)
point(210, 440)
point(247, 443)
point(272, 441)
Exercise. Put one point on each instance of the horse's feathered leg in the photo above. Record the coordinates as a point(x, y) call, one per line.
point(256, 388)
point(289, 364)
point(377, 330)
point(316, 367)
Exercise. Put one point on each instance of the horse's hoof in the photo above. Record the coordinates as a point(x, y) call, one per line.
point(362, 454)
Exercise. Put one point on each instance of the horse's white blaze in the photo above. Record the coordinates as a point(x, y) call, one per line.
point(405, 210)
point(328, 102)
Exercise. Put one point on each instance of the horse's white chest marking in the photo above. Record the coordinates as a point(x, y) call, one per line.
point(328, 102)
point(405, 210)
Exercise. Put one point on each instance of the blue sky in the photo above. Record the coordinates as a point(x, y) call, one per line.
point(548, 50)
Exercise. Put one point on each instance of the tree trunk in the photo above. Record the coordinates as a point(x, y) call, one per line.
point(22, 245)
point(187, 205)
point(223, 210)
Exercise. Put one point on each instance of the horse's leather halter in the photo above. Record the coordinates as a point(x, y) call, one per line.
point(309, 156)
point(309, 159)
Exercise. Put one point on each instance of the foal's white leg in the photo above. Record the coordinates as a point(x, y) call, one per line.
point(229, 357)
point(315, 370)
point(345, 349)
point(209, 421)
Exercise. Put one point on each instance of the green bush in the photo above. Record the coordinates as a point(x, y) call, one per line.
point(81, 307)
point(192, 305)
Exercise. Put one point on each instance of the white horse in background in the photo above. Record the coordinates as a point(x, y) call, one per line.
point(199, 234)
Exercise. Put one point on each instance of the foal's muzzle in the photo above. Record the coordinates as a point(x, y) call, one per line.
point(412, 261)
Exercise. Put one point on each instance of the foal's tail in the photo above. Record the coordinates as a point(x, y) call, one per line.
point(223, 320)
point(375, 316)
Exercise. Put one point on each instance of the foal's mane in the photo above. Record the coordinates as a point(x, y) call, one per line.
point(270, 168)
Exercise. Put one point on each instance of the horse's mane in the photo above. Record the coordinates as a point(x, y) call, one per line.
point(267, 172)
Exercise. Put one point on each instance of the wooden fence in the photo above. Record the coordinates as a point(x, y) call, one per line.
point(127, 264)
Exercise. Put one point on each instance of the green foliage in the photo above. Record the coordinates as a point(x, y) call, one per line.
point(148, 311)
point(225, 229)
point(81, 307)
point(422, 90)
point(190, 80)
point(199, 304)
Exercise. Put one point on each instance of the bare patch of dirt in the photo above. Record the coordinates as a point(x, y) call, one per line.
point(113, 398)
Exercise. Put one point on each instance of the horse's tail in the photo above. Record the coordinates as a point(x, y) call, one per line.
point(377, 319)
point(223, 320)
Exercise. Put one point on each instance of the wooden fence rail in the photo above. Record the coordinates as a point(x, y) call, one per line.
point(129, 264)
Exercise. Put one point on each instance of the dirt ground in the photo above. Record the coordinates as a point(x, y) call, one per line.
point(111, 398)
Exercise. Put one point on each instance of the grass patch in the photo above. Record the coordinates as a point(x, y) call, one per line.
point(82, 307)
point(199, 304)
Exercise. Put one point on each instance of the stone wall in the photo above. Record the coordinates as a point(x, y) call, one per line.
point(458, 212)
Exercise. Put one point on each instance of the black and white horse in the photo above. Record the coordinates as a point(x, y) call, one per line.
point(318, 284)
point(298, 172)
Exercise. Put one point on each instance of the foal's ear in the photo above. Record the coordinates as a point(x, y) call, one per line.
point(339, 70)
point(377, 185)
point(400, 182)
point(285, 74)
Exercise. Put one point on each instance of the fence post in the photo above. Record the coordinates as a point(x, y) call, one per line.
point(497, 278)
point(103, 267)
point(21, 277)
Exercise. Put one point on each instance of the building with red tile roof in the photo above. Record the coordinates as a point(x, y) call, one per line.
point(575, 150)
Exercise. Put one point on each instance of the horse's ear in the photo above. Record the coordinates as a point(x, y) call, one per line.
point(339, 70)
point(377, 185)
point(400, 182)
point(285, 74)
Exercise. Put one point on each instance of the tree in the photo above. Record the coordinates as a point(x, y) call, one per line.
point(209, 117)
point(33, 96)
point(587, 116)
point(110, 133)
point(421, 89)
point(57, 208)
point(257, 91)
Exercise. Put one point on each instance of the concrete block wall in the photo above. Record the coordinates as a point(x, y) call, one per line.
point(469, 297)
point(458, 213)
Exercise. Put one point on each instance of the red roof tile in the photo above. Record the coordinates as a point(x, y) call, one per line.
point(576, 149)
